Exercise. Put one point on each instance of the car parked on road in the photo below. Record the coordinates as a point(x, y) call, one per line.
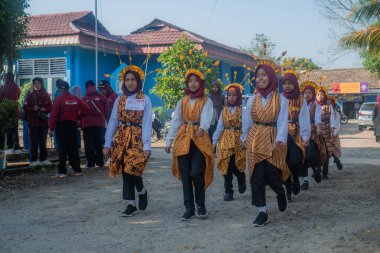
point(365, 115)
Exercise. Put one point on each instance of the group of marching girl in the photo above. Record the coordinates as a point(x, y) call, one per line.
point(280, 135)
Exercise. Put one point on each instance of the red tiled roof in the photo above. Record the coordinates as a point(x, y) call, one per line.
point(160, 34)
point(344, 76)
point(54, 24)
point(71, 28)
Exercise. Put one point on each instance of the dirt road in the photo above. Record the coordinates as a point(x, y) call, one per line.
point(39, 214)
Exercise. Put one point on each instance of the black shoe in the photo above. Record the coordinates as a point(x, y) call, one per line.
point(201, 212)
point(228, 196)
point(296, 187)
point(282, 202)
point(242, 185)
point(339, 165)
point(325, 177)
point(317, 175)
point(261, 220)
point(187, 216)
point(130, 211)
point(143, 200)
point(305, 185)
point(289, 197)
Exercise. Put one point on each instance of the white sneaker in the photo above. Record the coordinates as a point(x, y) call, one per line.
point(33, 164)
point(9, 151)
point(45, 163)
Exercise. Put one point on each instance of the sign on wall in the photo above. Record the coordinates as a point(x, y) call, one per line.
point(350, 88)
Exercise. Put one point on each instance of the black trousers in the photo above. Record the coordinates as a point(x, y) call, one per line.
point(37, 139)
point(312, 158)
point(265, 174)
point(13, 138)
point(294, 161)
point(131, 182)
point(192, 168)
point(232, 170)
point(157, 130)
point(93, 145)
point(67, 139)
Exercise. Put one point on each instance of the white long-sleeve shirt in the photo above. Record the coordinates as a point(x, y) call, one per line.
point(113, 122)
point(220, 126)
point(177, 121)
point(336, 123)
point(304, 121)
point(282, 120)
point(317, 114)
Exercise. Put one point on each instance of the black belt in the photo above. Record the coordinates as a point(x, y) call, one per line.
point(130, 124)
point(268, 124)
point(295, 122)
point(192, 123)
point(233, 128)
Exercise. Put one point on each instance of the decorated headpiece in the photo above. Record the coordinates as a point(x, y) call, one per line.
point(194, 72)
point(239, 90)
point(133, 68)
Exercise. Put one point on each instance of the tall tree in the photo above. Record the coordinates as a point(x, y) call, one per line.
point(262, 46)
point(13, 29)
point(175, 62)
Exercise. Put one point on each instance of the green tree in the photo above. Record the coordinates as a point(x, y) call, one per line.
point(262, 46)
point(371, 61)
point(299, 64)
point(175, 62)
point(13, 30)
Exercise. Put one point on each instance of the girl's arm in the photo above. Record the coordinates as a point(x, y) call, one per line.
point(282, 121)
point(206, 115)
point(247, 119)
point(112, 125)
point(304, 120)
point(175, 125)
point(219, 129)
point(147, 124)
point(318, 114)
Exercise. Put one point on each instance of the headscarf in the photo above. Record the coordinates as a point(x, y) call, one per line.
point(273, 81)
point(200, 92)
point(128, 93)
point(296, 91)
point(91, 90)
point(217, 98)
point(77, 91)
point(238, 101)
point(312, 89)
point(324, 100)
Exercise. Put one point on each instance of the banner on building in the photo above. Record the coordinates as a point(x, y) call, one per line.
point(350, 88)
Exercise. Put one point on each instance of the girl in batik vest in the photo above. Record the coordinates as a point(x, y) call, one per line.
point(231, 155)
point(316, 153)
point(193, 156)
point(337, 148)
point(326, 128)
point(128, 138)
point(265, 132)
point(298, 130)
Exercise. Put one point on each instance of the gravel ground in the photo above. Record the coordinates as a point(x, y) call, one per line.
point(40, 214)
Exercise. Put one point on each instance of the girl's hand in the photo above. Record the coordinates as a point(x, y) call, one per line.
point(319, 129)
point(106, 151)
point(147, 153)
point(167, 150)
point(200, 132)
point(276, 146)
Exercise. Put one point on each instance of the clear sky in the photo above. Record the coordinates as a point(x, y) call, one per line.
point(297, 26)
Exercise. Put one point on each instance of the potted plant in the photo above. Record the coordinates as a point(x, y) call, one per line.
point(8, 117)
